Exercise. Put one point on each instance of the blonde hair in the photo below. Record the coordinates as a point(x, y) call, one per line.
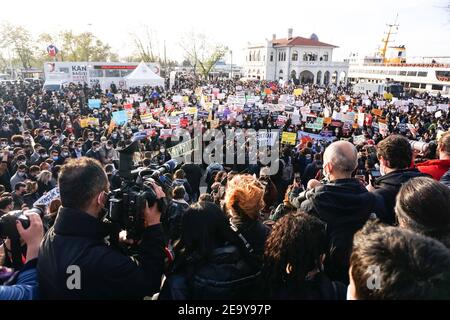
point(44, 176)
point(244, 196)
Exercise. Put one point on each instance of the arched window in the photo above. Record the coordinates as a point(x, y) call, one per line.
point(281, 71)
point(295, 55)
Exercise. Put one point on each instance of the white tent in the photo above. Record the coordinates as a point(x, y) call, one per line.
point(143, 76)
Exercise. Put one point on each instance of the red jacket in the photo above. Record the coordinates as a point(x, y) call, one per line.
point(435, 168)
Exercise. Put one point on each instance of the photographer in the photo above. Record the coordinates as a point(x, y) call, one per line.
point(77, 239)
point(24, 286)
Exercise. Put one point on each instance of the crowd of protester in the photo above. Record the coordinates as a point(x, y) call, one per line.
point(349, 201)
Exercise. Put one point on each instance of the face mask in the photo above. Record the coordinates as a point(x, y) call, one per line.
point(21, 174)
point(65, 154)
point(44, 114)
point(44, 155)
point(91, 139)
point(5, 127)
point(47, 138)
point(382, 172)
point(55, 142)
point(163, 150)
point(326, 175)
point(17, 143)
point(114, 135)
point(55, 158)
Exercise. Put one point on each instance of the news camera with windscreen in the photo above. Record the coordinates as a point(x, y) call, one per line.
point(127, 203)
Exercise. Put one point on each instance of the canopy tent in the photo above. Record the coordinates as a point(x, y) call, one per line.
point(143, 76)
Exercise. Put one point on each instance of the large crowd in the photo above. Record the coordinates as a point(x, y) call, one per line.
point(359, 207)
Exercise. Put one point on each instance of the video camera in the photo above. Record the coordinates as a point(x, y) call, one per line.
point(126, 204)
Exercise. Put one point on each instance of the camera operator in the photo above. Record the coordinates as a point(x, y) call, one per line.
point(438, 167)
point(23, 286)
point(395, 156)
point(77, 239)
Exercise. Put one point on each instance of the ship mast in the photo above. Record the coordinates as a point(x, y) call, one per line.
point(387, 39)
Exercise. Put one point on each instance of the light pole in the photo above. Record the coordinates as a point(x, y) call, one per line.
point(231, 65)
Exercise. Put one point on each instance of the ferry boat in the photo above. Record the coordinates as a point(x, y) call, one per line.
point(390, 64)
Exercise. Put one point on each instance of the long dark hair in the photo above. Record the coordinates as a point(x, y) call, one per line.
point(297, 239)
point(204, 228)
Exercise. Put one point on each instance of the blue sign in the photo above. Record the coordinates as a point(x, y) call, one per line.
point(94, 103)
point(120, 117)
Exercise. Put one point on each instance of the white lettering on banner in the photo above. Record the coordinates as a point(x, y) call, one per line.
point(184, 148)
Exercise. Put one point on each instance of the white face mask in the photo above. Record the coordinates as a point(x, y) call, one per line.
point(382, 172)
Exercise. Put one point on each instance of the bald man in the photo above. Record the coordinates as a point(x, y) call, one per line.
point(343, 203)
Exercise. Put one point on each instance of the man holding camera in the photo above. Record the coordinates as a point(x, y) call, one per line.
point(76, 263)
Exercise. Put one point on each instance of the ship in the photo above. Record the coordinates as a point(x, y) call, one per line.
point(390, 64)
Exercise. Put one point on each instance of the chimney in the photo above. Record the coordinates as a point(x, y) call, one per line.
point(290, 30)
point(274, 37)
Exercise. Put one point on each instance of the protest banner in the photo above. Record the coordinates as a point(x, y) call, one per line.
point(359, 139)
point(311, 136)
point(348, 117)
point(316, 107)
point(146, 118)
point(298, 92)
point(120, 117)
point(289, 138)
point(94, 103)
point(377, 112)
point(165, 133)
point(361, 118)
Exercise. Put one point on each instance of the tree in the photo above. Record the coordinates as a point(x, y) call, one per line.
point(144, 46)
point(201, 53)
point(18, 39)
point(78, 47)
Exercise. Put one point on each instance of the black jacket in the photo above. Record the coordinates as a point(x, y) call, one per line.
point(344, 205)
point(254, 232)
point(318, 287)
point(172, 218)
point(446, 179)
point(224, 275)
point(77, 239)
point(193, 175)
point(388, 187)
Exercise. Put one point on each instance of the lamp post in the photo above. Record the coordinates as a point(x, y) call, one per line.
point(231, 64)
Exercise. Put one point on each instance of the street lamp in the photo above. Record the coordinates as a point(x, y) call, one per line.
point(231, 64)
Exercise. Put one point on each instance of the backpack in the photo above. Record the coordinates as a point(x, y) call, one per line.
point(288, 170)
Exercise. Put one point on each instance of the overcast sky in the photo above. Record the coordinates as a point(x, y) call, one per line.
point(353, 25)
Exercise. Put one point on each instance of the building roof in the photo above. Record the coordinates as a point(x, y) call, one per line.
point(300, 41)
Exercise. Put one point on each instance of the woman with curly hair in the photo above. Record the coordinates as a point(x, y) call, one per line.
point(243, 203)
point(293, 261)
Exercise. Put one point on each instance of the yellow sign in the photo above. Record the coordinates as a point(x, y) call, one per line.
point(185, 99)
point(192, 110)
point(298, 92)
point(388, 96)
point(91, 121)
point(289, 138)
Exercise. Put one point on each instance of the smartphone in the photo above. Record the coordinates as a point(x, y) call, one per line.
point(375, 173)
point(297, 178)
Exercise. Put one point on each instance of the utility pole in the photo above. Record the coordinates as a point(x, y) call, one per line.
point(231, 67)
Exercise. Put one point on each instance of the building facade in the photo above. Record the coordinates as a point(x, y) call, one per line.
point(306, 60)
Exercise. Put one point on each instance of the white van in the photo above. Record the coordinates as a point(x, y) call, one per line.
point(54, 85)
